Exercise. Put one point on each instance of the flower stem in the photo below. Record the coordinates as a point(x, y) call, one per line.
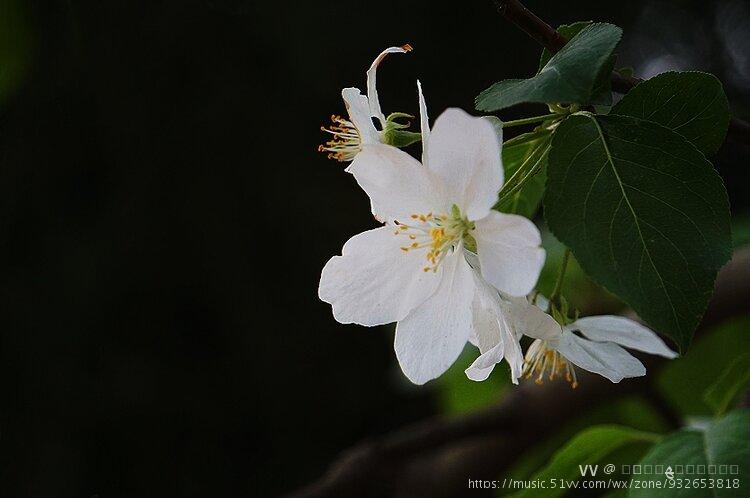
point(533, 119)
point(527, 137)
point(513, 185)
point(521, 169)
point(560, 277)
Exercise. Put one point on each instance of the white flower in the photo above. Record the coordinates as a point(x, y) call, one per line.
point(499, 323)
point(350, 135)
point(413, 270)
point(598, 349)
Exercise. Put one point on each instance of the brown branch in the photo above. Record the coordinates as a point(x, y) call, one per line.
point(436, 457)
point(548, 37)
point(515, 12)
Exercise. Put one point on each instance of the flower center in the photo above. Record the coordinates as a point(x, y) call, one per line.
point(437, 234)
point(346, 142)
point(541, 360)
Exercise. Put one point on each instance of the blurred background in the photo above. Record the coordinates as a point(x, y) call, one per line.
point(164, 217)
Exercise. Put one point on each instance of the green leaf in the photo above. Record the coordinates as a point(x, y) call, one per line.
point(691, 103)
point(570, 76)
point(730, 385)
point(586, 448)
point(569, 31)
point(578, 289)
point(681, 379)
point(526, 200)
point(630, 411)
point(602, 92)
point(693, 454)
point(645, 214)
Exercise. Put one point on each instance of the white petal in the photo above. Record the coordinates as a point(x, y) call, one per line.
point(359, 114)
point(528, 319)
point(508, 349)
point(473, 339)
point(465, 152)
point(372, 91)
point(432, 336)
point(496, 336)
point(604, 358)
point(524, 318)
point(623, 331)
point(424, 120)
point(542, 302)
point(397, 183)
point(509, 251)
point(374, 281)
point(513, 354)
point(486, 310)
point(482, 367)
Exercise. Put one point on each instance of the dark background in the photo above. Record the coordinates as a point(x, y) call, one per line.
point(164, 217)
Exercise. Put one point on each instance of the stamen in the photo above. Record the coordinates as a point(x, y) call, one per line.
point(346, 142)
point(543, 360)
point(439, 234)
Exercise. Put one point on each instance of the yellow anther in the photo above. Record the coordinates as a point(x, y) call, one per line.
point(346, 141)
point(541, 360)
point(439, 234)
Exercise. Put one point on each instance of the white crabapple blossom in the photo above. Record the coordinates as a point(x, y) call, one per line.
point(500, 321)
point(414, 270)
point(349, 136)
point(557, 350)
point(599, 349)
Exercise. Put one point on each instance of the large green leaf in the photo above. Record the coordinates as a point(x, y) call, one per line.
point(587, 448)
point(730, 385)
point(602, 92)
point(681, 380)
point(570, 76)
point(692, 103)
point(568, 31)
point(578, 289)
point(645, 214)
point(718, 452)
point(631, 411)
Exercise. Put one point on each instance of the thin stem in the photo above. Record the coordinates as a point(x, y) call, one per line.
point(526, 137)
point(560, 277)
point(516, 174)
point(505, 193)
point(532, 119)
